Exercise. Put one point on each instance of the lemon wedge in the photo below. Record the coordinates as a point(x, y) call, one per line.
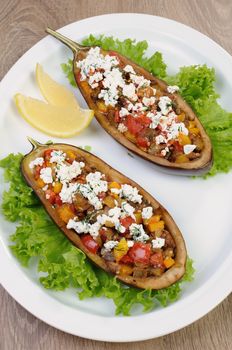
point(54, 120)
point(53, 92)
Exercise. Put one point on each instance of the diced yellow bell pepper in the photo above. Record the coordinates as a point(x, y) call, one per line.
point(114, 184)
point(121, 249)
point(109, 201)
point(40, 183)
point(65, 213)
point(184, 139)
point(138, 217)
point(109, 224)
point(168, 262)
point(156, 226)
point(154, 218)
point(70, 155)
point(125, 270)
point(181, 117)
point(192, 125)
point(194, 131)
point(57, 187)
point(182, 158)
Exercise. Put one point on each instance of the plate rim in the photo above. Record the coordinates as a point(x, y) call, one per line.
point(31, 305)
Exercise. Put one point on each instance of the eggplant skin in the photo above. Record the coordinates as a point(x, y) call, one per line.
point(196, 167)
point(169, 277)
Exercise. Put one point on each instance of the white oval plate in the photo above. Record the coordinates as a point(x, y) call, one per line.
point(201, 208)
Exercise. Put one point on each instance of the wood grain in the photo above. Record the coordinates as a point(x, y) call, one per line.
point(22, 24)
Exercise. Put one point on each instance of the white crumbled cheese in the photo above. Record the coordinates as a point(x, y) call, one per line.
point(110, 97)
point(94, 79)
point(130, 243)
point(130, 193)
point(189, 148)
point(45, 188)
point(37, 161)
point(94, 229)
point(172, 88)
point(95, 60)
point(87, 192)
point(113, 79)
point(129, 69)
point(129, 91)
point(110, 245)
point(164, 151)
point(119, 227)
point(160, 139)
point(123, 112)
point(158, 242)
point(140, 81)
point(147, 212)
point(78, 226)
point(165, 104)
point(57, 156)
point(66, 173)
point(67, 192)
point(174, 129)
point(115, 190)
point(148, 101)
point(97, 184)
point(128, 210)
point(122, 128)
point(114, 215)
point(138, 233)
point(138, 107)
point(130, 106)
point(155, 119)
point(46, 175)
point(154, 91)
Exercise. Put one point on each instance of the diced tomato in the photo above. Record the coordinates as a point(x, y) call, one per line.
point(142, 142)
point(144, 120)
point(58, 200)
point(177, 146)
point(37, 171)
point(134, 126)
point(47, 154)
point(127, 221)
point(126, 259)
point(140, 253)
point(116, 116)
point(113, 53)
point(90, 243)
point(50, 196)
point(157, 260)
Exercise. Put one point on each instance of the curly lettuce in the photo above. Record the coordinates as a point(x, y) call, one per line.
point(60, 265)
point(197, 86)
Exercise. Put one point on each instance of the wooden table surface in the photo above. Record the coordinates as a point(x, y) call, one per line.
point(22, 24)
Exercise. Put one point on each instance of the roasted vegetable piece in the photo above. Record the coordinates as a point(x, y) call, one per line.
point(114, 238)
point(140, 111)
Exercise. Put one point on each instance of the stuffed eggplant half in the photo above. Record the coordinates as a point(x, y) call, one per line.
point(115, 222)
point(140, 111)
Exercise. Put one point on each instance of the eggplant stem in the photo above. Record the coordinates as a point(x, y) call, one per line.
point(35, 144)
point(75, 47)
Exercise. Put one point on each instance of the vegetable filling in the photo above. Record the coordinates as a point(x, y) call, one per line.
point(112, 219)
point(144, 113)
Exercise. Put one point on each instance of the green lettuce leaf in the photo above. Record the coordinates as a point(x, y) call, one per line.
point(197, 86)
point(60, 264)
